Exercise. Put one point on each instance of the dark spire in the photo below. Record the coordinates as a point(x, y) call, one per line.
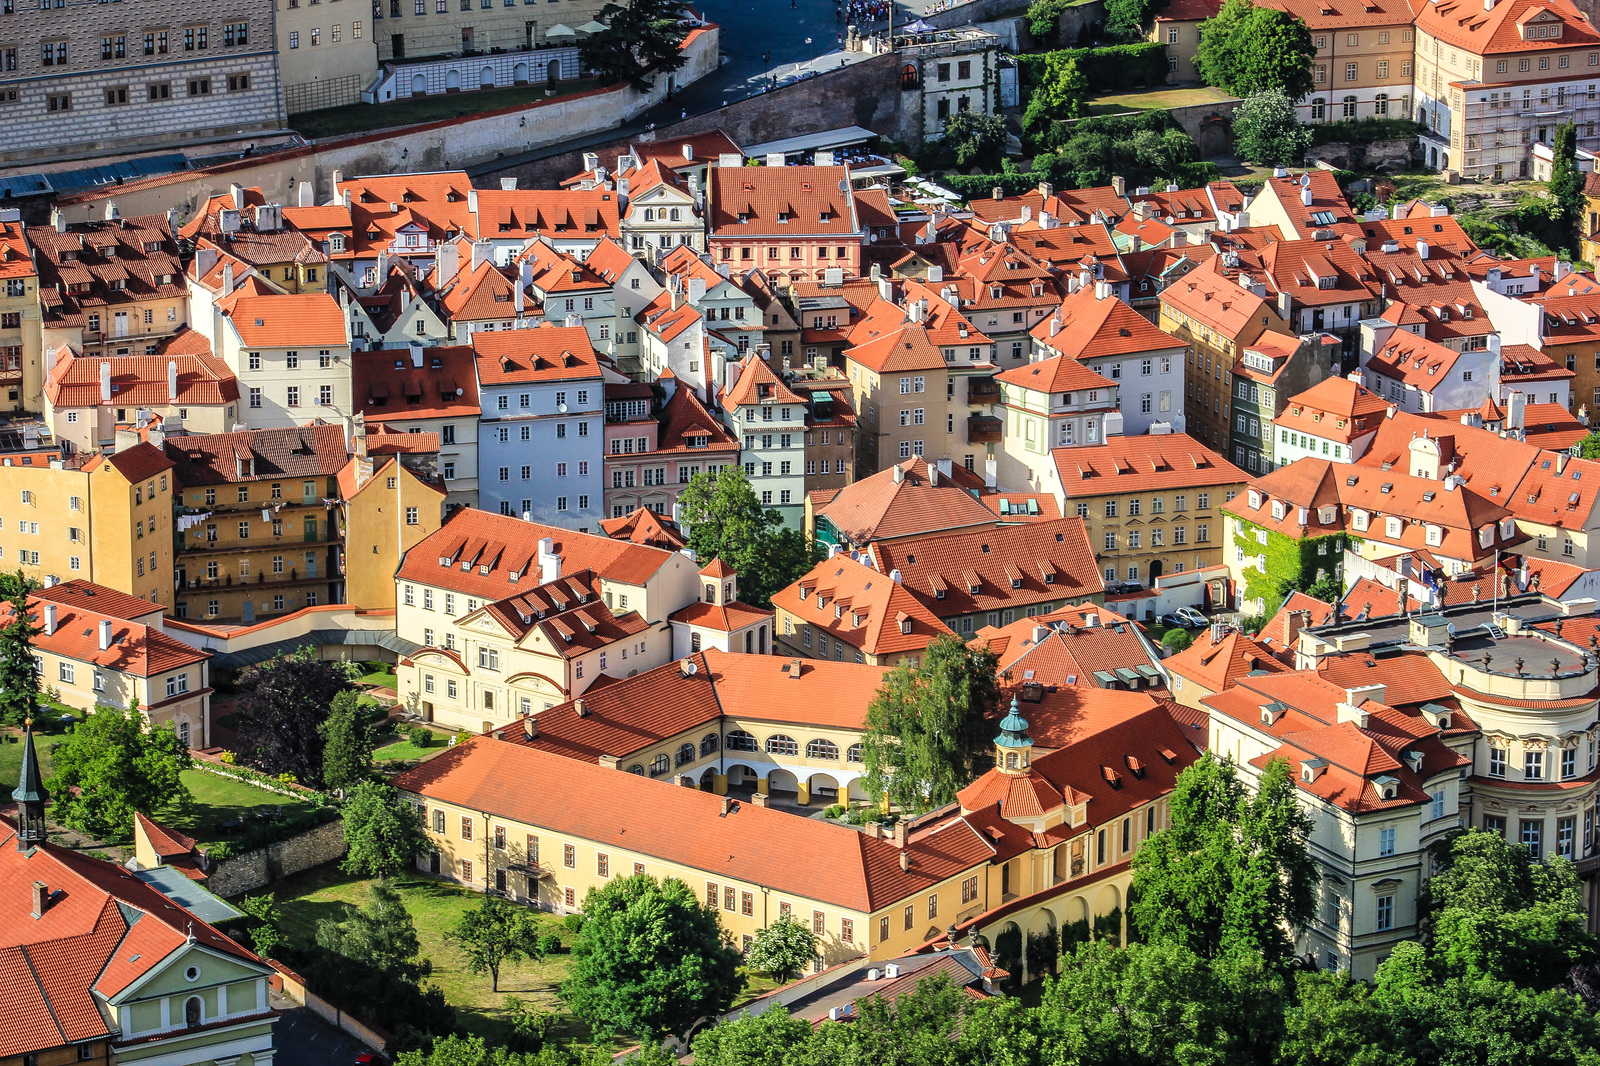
point(31, 796)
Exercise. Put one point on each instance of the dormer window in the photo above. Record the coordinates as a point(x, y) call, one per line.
point(1255, 500)
point(905, 625)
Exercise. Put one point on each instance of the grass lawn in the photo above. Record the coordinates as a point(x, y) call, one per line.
point(380, 674)
point(1113, 103)
point(11, 754)
point(359, 118)
point(404, 749)
point(217, 799)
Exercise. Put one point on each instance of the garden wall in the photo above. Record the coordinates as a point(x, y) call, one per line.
point(1397, 154)
point(293, 986)
point(253, 869)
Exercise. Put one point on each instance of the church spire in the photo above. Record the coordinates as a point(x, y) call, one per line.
point(30, 795)
point(1013, 748)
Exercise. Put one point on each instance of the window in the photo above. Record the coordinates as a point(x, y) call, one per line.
point(1533, 765)
point(602, 864)
point(1497, 762)
point(569, 856)
point(466, 827)
point(1386, 840)
point(1385, 917)
point(67, 673)
point(1532, 836)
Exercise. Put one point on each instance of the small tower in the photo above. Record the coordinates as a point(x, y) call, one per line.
point(1013, 748)
point(721, 583)
point(30, 795)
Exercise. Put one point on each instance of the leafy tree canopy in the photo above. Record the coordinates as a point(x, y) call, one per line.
point(112, 765)
point(282, 704)
point(926, 722)
point(1232, 873)
point(1127, 20)
point(641, 37)
point(1566, 181)
point(346, 743)
point(1267, 131)
point(651, 960)
point(494, 933)
point(1247, 49)
point(19, 679)
point(727, 521)
point(381, 831)
point(783, 948)
point(975, 138)
point(1060, 94)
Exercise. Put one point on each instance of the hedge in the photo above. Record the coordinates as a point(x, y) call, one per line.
point(1113, 67)
point(1363, 131)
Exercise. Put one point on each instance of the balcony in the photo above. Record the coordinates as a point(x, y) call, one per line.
point(983, 390)
point(984, 429)
point(288, 539)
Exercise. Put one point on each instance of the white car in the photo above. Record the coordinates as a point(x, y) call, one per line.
point(1192, 618)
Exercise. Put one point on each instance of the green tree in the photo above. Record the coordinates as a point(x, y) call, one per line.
point(1267, 131)
point(975, 138)
point(1589, 447)
point(346, 743)
point(651, 960)
point(726, 521)
point(772, 1038)
point(1060, 94)
point(1175, 640)
point(1232, 872)
point(1128, 20)
point(917, 1029)
point(1566, 181)
point(925, 724)
point(1494, 911)
point(282, 704)
point(641, 37)
point(19, 678)
point(264, 937)
point(381, 830)
point(1247, 49)
point(114, 764)
point(494, 933)
point(783, 948)
point(1044, 20)
point(1333, 1020)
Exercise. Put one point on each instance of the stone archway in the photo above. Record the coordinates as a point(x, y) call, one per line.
point(823, 788)
point(781, 780)
point(486, 77)
point(419, 85)
point(452, 81)
point(519, 74)
point(1043, 945)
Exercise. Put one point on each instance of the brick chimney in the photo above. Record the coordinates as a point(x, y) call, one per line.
point(41, 898)
point(900, 834)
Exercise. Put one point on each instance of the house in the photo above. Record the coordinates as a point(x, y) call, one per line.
point(1056, 402)
point(651, 456)
point(1305, 207)
point(830, 433)
point(390, 498)
point(1334, 419)
point(254, 231)
point(542, 395)
point(906, 500)
point(21, 366)
point(1178, 27)
point(899, 383)
point(718, 620)
point(290, 353)
point(791, 223)
point(105, 967)
point(257, 534)
point(771, 420)
point(852, 612)
point(1081, 645)
point(1265, 375)
point(87, 399)
point(1216, 662)
point(1422, 376)
point(432, 390)
point(1148, 504)
point(663, 211)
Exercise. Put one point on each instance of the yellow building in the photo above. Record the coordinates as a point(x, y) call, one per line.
point(899, 388)
point(258, 534)
point(1177, 25)
point(327, 52)
point(242, 225)
point(106, 519)
point(21, 368)
point(388, 502)
point(98, 647)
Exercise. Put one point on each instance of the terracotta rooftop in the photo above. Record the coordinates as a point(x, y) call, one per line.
point(909, 498)
point(861, 607)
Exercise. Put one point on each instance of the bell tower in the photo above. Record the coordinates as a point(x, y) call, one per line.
point(30, 795)
point(1013, 748)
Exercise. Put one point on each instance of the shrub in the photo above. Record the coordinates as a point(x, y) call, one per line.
point(573, 923)
point(1363, 131)
point(1176, 640)
point(1112, 68)
point(227, 758)
point(550, 943)
point(420, 735)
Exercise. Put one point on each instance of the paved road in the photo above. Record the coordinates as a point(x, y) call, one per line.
point(303, 1039)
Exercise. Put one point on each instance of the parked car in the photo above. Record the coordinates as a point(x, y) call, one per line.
point(1172, 621)
point(1192, 618)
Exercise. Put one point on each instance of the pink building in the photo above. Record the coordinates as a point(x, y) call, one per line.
point(650, 455)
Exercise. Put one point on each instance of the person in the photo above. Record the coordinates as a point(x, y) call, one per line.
point(684, 113)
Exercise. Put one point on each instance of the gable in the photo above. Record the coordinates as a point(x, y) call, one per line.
point(170, 977)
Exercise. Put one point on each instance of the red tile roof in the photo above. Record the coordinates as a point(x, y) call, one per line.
point(644, 526)
point(1079, 640)
point(1059, 375)
point(304, 320)
point(140, 380)
point(1335, 408)
point(787, 202)
point(548, 353)
point(907, 499)
point(258, 455)
point(1086, 326)
point(388, 384)
point(689, 827)
point(134, 648)
point(862, 607)
point(98, 599)
point(1218, 666)
point(1155, 461)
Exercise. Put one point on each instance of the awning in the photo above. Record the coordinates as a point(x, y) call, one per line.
point(559, 30)
point(593, 27)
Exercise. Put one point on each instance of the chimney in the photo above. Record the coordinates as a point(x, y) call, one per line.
point(416, 354)
point(1305, 195)
point(688, 151)
point(795, 668)
point(105, 382)
point(905, 860)
point(49, 619)
point(727, 804)
point(447, 261)
point(899, 475)
point(549, 561)
point(900, 834)
point(1422, 249)
point(1119, 185)
point(41, 898)
point(227, 277)
point(697, 290)
point(172, 381)
point(307, 193)
point(760, 799)
point(581, 707)
point(105, 633)
point(530, 727)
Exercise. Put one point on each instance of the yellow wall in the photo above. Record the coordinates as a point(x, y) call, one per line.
point(324, 72)
point(878, 402)
point(382, 521)
point(27, 336)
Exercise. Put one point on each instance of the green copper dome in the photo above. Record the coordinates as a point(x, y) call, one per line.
point(1013, 730)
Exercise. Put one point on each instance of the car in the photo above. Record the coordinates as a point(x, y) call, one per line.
point(1192, 618)
point(366, 1058)
point(1172, 621)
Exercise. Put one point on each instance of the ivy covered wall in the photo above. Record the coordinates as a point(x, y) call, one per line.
point(1292, 564)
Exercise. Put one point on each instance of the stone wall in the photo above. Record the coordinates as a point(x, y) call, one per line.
point(253, 869)
point(1397, 154)
point(864, 94)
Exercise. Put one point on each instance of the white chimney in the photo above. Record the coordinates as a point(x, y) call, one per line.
point(895, 575)
point(1305, 195)
point(416, 354)
point(105, 382)
point(549, 561)
point(899, 474)
point(105, 633)
point(447, 261)
point(1422, 249)
point(172, 381)
point(227, 278)
point(935, 275)
point(49, 619)
point(688, 151)
point(307, 193)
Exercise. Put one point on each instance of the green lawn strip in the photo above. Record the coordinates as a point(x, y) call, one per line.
point(44, 736)
point(218, 799)
point(360, 118)
point(380, 674)
point(404, 749)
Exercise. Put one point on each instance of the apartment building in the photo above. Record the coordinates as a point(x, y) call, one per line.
point(258, 532)
point(432, 390)
point(650, 457)
point(106, 519)
point(1217, 661)
point(87, 399)
point(1362, 67)
point(1217, 318)
point(1052, 403)
point(106, 81)
point(851, 612)
point(770, 421)
point(830, 433)
point(662, 212)
point(1490, 87)
point(900, 388)
point(957, 71)
point(21, 356)
point(327, 53)
point(1266, 374)
point(541, 439)
point(794, 223)
point(1150, 505)
point(1178, 27)
point(113, 286)
point(390, 498)
point(1422, 376)
point(243, 226)
point(1336, 419)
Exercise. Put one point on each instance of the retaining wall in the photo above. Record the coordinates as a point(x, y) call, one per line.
point(253, 869)
point(1397, 154)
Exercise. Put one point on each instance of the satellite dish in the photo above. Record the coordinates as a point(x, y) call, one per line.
point(562, 408)
point(460, 391)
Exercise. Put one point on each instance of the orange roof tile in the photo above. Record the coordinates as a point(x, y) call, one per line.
point(548, 353)
point(307, 319)
point(1140, 464)
point(862, 607)
point(1003, 567)
point(388, 384)
point(908, 498)
point(1217, 666)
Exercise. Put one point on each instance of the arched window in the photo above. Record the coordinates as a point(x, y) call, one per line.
point(1319, 109)
point(685, 754)
point(711, 592)
point(908, 76)
point(1380, 104)
point(674, 214)
point(193, 1012)
point(649, 214)
point(739, 740)
point(778, 744)
point(637, 768)
point(822, 749)
point(659, 765)
point(1011, 760)
point(336, 242)
point(1349, 107)
point(709, 743)
point(853, 753)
